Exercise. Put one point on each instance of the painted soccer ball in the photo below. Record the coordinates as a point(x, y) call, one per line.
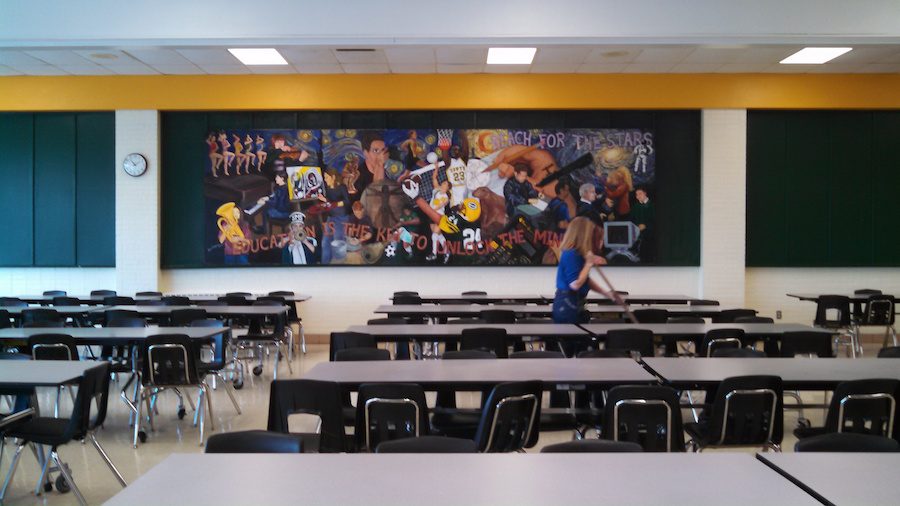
point(432, 157)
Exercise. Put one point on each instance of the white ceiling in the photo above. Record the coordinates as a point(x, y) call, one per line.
point(584, 59)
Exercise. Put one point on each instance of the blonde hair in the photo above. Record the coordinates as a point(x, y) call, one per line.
point(625, 175)
point(580, 236)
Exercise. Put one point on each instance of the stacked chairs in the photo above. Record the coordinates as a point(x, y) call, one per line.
point(833, 313)
point(265, 332)
point(293, 316)
point(879, 312)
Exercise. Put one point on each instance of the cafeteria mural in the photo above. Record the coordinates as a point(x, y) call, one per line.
point(425, 196)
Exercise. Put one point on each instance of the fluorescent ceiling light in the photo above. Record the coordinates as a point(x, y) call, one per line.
point(815, 55)
point(258, 56)
point(510, 55)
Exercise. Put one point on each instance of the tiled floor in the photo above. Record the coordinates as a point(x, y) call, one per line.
point(179, 436)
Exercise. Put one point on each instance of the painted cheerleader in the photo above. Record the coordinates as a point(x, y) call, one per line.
point(227, 155)
point(249, 151)
point(242, 158)
point(215, 159)
point(260, 152)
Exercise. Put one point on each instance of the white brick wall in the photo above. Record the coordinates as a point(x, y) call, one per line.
point(74, 280)
point(137, 203)
point(724, 168)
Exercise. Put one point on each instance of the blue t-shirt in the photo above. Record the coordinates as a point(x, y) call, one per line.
point(570, 265)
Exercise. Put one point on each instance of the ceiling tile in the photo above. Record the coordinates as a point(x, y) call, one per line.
point(788, 69)
point(765, 54)
point(366, 68)
point(173, 69)
point(413, 68)
point(460, 68)
point(562, 54)
point(154, 57)
point(879, 68)
point(835, 68)
point(302, 55)
point(409, 55)
point(319, 68)
point(671, 55)
point(9, 71)
point(713, 55)
point(88, 69)
point(695, 68)
point(13, 58)
point(892, 58)
point(601, 68)
point(361, 57)
point(741, 68)
point(58, 56)
point(107, 56)
point(507, 69)
point(554, 68)
point(131, 70)
point(867, 54)
point(201, 57)
point(225, 69)
point(40, 70)
point(613, 54)
point(647, 68)
point(271, 69)
point(456, 55)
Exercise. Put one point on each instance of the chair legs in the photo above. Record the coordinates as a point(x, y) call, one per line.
point(102, 452)
point(13, 465)
point(67, 476)
point(228, 387)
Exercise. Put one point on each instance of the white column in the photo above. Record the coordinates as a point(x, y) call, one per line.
point(137, 203)
point(723, 210)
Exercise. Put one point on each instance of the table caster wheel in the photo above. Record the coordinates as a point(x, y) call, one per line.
point(181, 413)
point(142, 436)
point(48, 486)
point(257, 370)
point(804, 423)
point(62, 486)
point(238, 384)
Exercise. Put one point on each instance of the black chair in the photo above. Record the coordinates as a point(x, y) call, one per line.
point(5, 322)
point(770, 343)
point(45, 325)
point(210, 303)
point(118, 300)
point(509, 421)
point(220, 361)
point(633, 340)
point(238, 294)
point(867, 291)
point(12, 302)
point(833, 313)
point(119, 357)
point(62, 300)
point(721, 338)
point(55, 293)
point(806, 343)
point(446, 418)
point(102, 293)
point(879, 312)
point(593, 446)
point(54, 347)
point(170, 361)
point(497, 316)
point(468, 355)
point(671, 343)
point(428, 444)
point(861, 406)
point(343, 340)
point(293, 315)
point(93, 389)
point(149, 302)
point(263, 332)
point(559, 399)
point(746, 411)
point(404, 293)
point(253, 441)
point(184, 317)
point(389, 411)
point(729, 315)
point(407, 300)
point(176, 300)
point(30, 317)
point(651, 315)
point(703, 302)
point(311, 397)
point(392, 320)
point(858, 306)
point(485, 339)
point(401, 347)
point(361, 355)
point(738, 353)
point(149, 294)
point(647, 415)
point(847, 442)
point(889, 352)
point(754, 319)
point(474, 292)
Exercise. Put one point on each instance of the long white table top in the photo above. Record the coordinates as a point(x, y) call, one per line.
point(440, 310)
point(38, 373)
point(477, 479)
point(843, 479)
point(111, 335)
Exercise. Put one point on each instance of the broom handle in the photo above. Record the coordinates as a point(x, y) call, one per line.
point(616, 297)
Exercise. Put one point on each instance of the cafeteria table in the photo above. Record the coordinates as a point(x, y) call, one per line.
point(534, 310)
point(548, 298)
point(194, 298)
point(42, 373)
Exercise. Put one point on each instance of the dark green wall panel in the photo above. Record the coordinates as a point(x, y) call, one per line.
point(95, 202)
point(885, 187)
point(54, 190)
point(16, 182)
point(182, 199)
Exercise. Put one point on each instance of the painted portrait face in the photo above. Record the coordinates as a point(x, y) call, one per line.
point(329, 179)
point(521, 176)
point(641, 195)
point(454, 151)
point(376, 155)
point(591, 195)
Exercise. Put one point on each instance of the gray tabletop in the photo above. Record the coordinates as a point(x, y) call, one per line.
point(526, 480)
point(202, 297)
point(433, 373)
point(111, 335)
point(441, 332)
point(699, 329)
point(842, 478)
point(814, 297)
point(211, 310)
point(42, 373)
point(547, 298)
point(63, 310)
point(544, 310)
point(638, 299)
point(808, 373)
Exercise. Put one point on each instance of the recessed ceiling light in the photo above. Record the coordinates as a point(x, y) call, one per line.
point(815, 55)
point(511, 55)
point(258, 56)
point(104, 56)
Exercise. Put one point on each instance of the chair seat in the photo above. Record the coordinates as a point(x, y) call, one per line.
point(558, 421)
point(805, 432)
point(699, 432)
point(454, 422)
point(42, 430)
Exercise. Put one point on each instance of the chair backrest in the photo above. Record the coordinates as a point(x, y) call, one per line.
point(647, 415)
point(754, 319)
point(879, 310)
point(593, 446)
point(133, 322)
point(604, 353)
point(889, 352)
point(218, 342)
point(738, 353)
point(703, 302)
point(252, 441)
point(864, 407)
point(537, 354)
point(115, 315)
point(52, 347)
point(118, 300)
point(387, 321)
point(12, 302)
point(102, 293)
point(867, 291)
point(428, 444)
point(5, 322)
point(728, 315)
point(485, 339)
point(344, 340)
point(747, 410)
point(62, 300)
point(149, 302)
point(474, 292)
point(497, 316)
point(806, 343)
point(387, 411)
point(272, 298)
point(238, 294)
point(276, 322)
point(361, 354)
point(301, 396)
point(847, 442)
point(44, 325)
point(685, 319)
point(213, 303)
point(468, 355)
point(282, 293)
point(176, 300)
point(404, 300)
point(510, 420)
point(170, 360)
point(832, 311)
point(55, 293)
point(636, 340)
point(651, 315)
point(93, 391)
point(149, 294)
point(40, 314)
point(721, 338)
point(234, 300)
point(402, 293)
point(184, 317)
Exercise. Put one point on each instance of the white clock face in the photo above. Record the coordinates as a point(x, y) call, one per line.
point(135, 164)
